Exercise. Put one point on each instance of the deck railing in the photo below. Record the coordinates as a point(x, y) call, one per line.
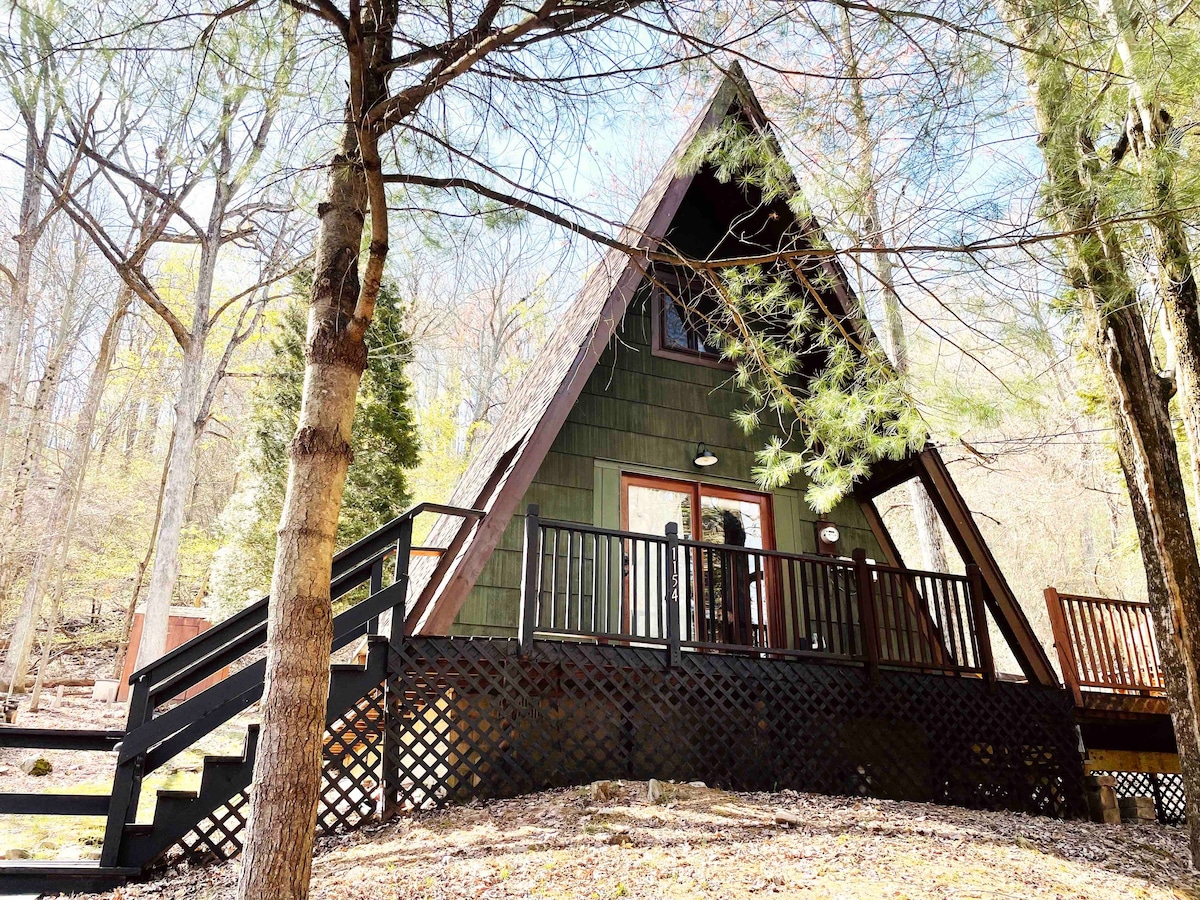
point(615, 586)
point(1105, 645)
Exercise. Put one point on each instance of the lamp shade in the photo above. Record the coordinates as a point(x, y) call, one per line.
point(704, 456)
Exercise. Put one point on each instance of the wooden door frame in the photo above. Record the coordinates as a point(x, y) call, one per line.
point(696, 490)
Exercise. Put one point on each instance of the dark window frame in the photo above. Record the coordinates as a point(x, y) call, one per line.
point(659, 346)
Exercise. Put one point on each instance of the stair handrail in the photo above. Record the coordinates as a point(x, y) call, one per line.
point(346, 562)
point(150, 739)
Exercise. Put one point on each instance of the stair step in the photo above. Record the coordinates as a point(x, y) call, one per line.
point(165, 794)
point(35, 876)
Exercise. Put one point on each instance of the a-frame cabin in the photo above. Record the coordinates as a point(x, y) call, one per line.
point(653, 616)
point(605, 428)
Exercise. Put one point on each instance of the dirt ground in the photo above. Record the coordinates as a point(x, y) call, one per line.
point(697, 842)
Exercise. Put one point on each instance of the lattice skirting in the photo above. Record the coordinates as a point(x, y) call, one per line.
point(471, 718)
point(1166, 789)
point(350, 781)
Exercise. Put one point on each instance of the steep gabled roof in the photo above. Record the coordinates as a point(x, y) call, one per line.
point(505, 465)
point(508, 461)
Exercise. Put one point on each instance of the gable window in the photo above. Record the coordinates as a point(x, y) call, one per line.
point(679, 310)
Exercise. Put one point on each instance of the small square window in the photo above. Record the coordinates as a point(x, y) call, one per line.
point(680, 327)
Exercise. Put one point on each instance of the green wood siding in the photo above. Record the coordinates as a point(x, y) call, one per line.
point(642, 413)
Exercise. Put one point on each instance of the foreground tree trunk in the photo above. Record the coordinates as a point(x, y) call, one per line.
point(1148, 131)
point(287, 774)
point(1137, 397)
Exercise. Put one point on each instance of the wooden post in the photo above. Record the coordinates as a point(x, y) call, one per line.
point(127, 782)
point(531, 571)
point(1062, 644)
point(979, 613)
point(376, 587)
point(866, 613)
point(671, 577)
point(393, 699)
point(403, 555)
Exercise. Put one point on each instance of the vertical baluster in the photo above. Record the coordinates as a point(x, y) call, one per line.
point(962, 609)
point(758, 598)
point(1106, 654)
point(709, 599)
point(917, 614)
point(829, 590)
point(811, 616)
point(791, 605)
point(690, 626)
point(979, 614)
point(1079, 639)
point(938, 650)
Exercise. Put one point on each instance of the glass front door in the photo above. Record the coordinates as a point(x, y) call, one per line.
point(725, 592)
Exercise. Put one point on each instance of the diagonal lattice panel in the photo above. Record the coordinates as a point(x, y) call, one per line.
point(472, 718)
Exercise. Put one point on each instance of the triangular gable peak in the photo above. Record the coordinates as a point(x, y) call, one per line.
point(691, 213)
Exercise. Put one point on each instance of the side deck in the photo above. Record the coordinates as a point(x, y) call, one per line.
point(1110, 661)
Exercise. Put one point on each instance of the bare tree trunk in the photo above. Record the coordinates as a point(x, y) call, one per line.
point(174, 509)
point(13, 534)
point(276, 861)
point(16, 660)
point(131, 608)
point(925, 517)
point(52, 620)
point(1136, 395)
point(16, 312)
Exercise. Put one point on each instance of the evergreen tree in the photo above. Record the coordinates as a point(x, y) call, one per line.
point(384, 443)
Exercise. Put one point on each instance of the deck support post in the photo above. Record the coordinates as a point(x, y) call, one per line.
point(979, 613)
point(127, 781)
point(671, 577)
point(393, 699)
point(403, 557)
point(866, 613)
point(531, 568)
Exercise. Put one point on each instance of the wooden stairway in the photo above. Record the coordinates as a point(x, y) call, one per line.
point(159, 728)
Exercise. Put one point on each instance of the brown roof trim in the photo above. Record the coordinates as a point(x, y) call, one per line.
point(437, 606)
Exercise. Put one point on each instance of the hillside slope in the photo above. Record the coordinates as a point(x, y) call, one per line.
point(697, 842)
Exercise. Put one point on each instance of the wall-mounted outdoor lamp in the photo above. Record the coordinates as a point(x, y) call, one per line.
point(704, 456)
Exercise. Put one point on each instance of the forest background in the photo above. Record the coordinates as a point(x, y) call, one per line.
point(110, 158)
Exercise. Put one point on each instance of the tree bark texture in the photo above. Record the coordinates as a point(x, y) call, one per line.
point(1136, 395)
point(287, 775)
point(1148, 130)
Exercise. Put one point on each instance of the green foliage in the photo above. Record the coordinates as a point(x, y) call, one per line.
point(384, 443)
point(822, 376)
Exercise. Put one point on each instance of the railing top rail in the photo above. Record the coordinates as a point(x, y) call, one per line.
point(608, 532)
point(780, 554)
point(361, 552)
point(1105, 601)
point(921, 573)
